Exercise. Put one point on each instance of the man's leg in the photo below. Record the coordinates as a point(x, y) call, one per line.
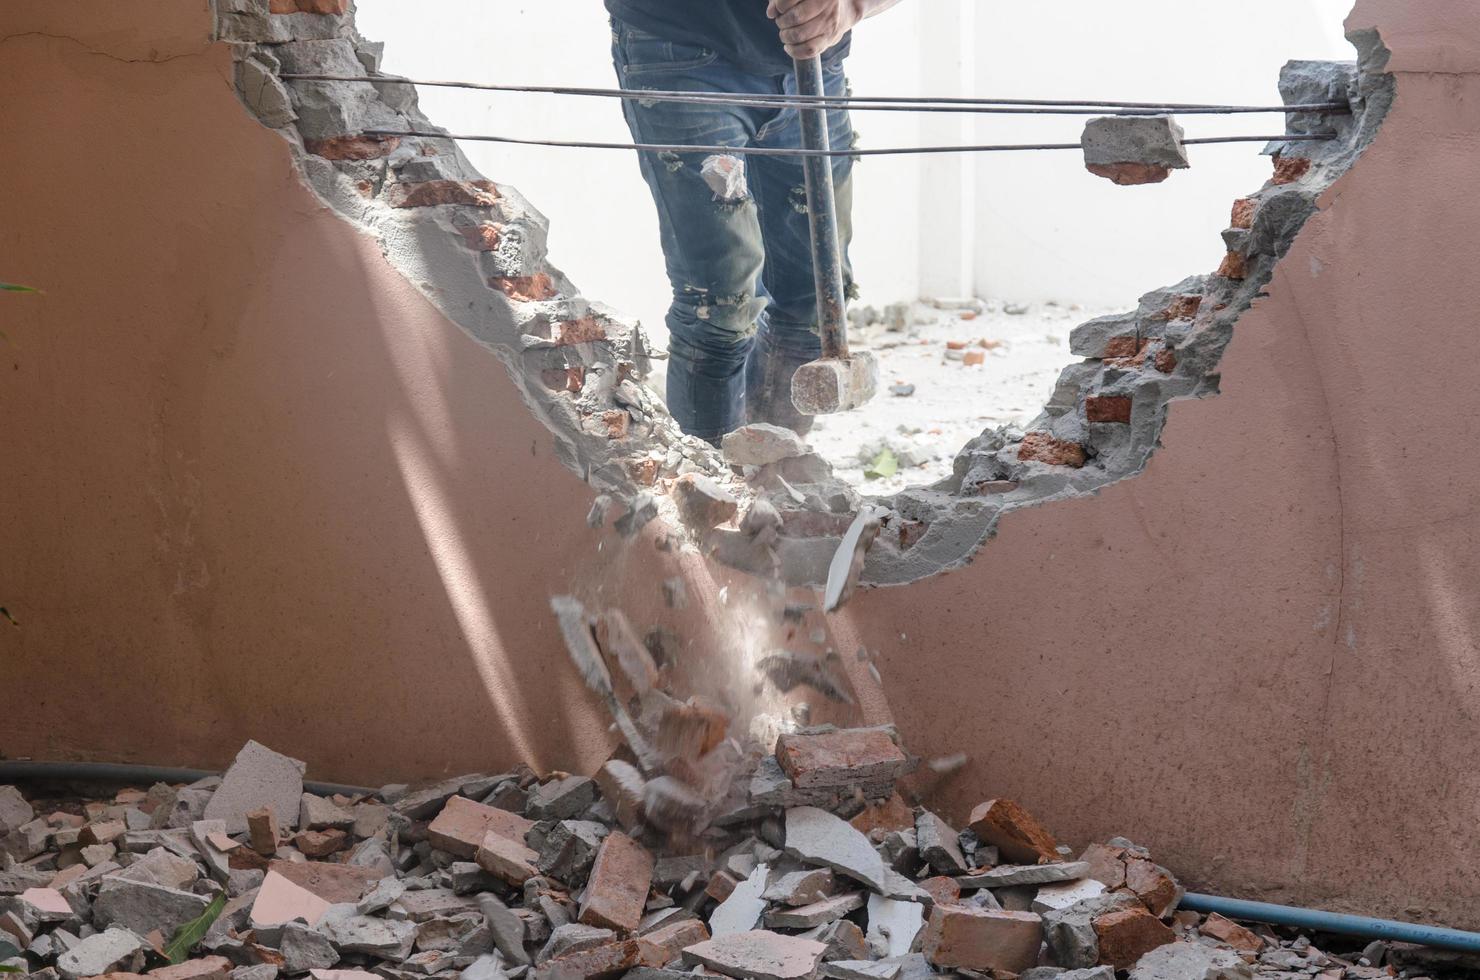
point(788, 336)
point(709, 225)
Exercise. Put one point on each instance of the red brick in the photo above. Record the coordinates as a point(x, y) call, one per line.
point(644, 471)
point(335, 883)
point(1130, 174)
point(262, 831)
point(1230, 932)
point(308, 6)
point(1243, 212)
point(841, 758)
point(1106, 865)
point(691, 728)
point(1044, 448)
point(1016, 833)
point(355, 147)
point(619, 883)
point(1234, 266)
point(974, 357)
point(586, 330)
point(461, 826)
point(432, 193)
point(943, 890)
point(206, 968)
point(597, 963)
point(664, 945)
point(506, 859)
point(483, 237)
point(321, 843)
point(1118, 347)
point(525, 289)
point(955, 345)
point(616, 422)
point(1151, 884)
point(1166, 361)
point(1184, 307)
point(1107, 408)
point(982, 939)
point(1129, 934)
point(1287, 170)
point(571, 379)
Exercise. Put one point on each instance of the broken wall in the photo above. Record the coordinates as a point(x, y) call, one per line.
point(257, 486)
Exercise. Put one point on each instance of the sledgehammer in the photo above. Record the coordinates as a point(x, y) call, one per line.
point(838, 380)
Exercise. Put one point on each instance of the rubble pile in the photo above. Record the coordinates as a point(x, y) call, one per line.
point(815, 867)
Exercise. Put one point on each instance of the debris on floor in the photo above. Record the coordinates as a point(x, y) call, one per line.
point(814, 868)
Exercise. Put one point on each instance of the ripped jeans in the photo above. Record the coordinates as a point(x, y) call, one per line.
point(734, 231)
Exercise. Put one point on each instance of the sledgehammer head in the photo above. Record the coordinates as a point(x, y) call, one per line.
point(835, 384)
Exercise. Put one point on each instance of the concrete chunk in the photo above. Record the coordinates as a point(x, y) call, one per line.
point(1051, 898)
point(305, 949)
point(939, 844)
point(758, 955)
point(144, 906)
point(114, 950)
point(893, 925)
point(861, 970)
point(561, 799)
point(1190, 961)
point(258, 777)
point(507, 929)
point(1150, 140)
point(1026, 874)
point(317, 813)
point(14, 810)
point(819, 838)
point(743, 907)
point(798, 888)
point(817, 914)
point(761, 444)
point(352, 932)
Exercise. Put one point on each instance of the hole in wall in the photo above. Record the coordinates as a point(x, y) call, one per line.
point(477, 250)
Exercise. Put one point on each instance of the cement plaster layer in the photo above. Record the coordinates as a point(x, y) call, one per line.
point(257, 487)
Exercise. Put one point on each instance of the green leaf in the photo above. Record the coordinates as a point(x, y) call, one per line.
point(11, 287)
point(194, 931)
point(884, 466)
point(16, 623)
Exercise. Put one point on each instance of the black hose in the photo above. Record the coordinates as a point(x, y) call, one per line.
point(112, 772)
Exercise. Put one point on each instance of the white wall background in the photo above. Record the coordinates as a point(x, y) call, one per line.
point(1017, 226)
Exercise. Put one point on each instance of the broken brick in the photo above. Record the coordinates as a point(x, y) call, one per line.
point(1287, 170)
point(463, 824)
point(1016, 833)
point(1130, 174)
point(525, 289)
point(973, 357)
point(1230, 932)
point(205, 968)
point(1043, 448)
point(1106, 865)
point(1166, 361)
point(483, 237)
point(506, 859)
point(758, 955)
point(1127, 935)
point(320, 843)
point(1151, 885)
point(1118, 347)
point(618, 887)
point(360, 146)
point(1243, 213)
point(434, 193)
point(595, 963)
point(644, 471)
point(616, 422)
point(279, 900)
point(1184, 307)
point(942, 890)
point(308, 6)
point(262, 831)
point(1234, 266)
point(664, 944)
point(1107, 408)
point(840, 758)
point(336, 883)
point(982, 939)
point(585, 330)
point(702, 503)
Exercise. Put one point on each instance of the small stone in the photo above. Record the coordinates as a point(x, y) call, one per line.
point(506, 859)
point(901, 390)
point(1190, 961)
point(619, 883)
point(761, 444)
point(982, 939)
point(1016, 834)
point(258, 777)
point(1127, 935)
point(262, 971)
point(799, 888)
point(1230, 932)
point(305, 949)
point(816, 914)
point(758, 955)
point(461, 826)
point(382, 896)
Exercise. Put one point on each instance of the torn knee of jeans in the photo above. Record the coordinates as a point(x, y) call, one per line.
point(730, 313)
point(725, 175)
point(671, 160)
point(798, 199)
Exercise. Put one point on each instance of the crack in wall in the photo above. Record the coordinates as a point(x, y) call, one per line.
point(476, 250)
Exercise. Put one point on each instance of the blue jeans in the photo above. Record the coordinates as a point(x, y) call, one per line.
point(734, 230)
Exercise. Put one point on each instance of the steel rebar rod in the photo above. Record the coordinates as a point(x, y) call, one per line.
point(798, 152)
point(856, 103)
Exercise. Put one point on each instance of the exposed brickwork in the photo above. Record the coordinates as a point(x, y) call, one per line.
point(308, 6)
point(586, 330)
point(1016, 833)
point(484, 237)
point(1183, 307)
point(1107, 408)
point(1287, 170)
point(1243, 212)
point(525, 289)
point(1166, 361)
point(1234, 266)
point(1128, 935)
point(356, 147)
point(434, 193)
point(1123, 347)
point(1043, 448)
point(1130, 174)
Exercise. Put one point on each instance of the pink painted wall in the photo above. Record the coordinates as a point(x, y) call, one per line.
point(255, 486)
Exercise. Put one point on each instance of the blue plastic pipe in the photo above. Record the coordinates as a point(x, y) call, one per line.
point(1349, 925)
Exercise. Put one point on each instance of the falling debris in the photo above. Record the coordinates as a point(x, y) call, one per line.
point(1134, 149)
point(788, 669)
point(847, 563)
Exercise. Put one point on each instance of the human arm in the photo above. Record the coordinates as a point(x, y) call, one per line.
point(810, 27)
